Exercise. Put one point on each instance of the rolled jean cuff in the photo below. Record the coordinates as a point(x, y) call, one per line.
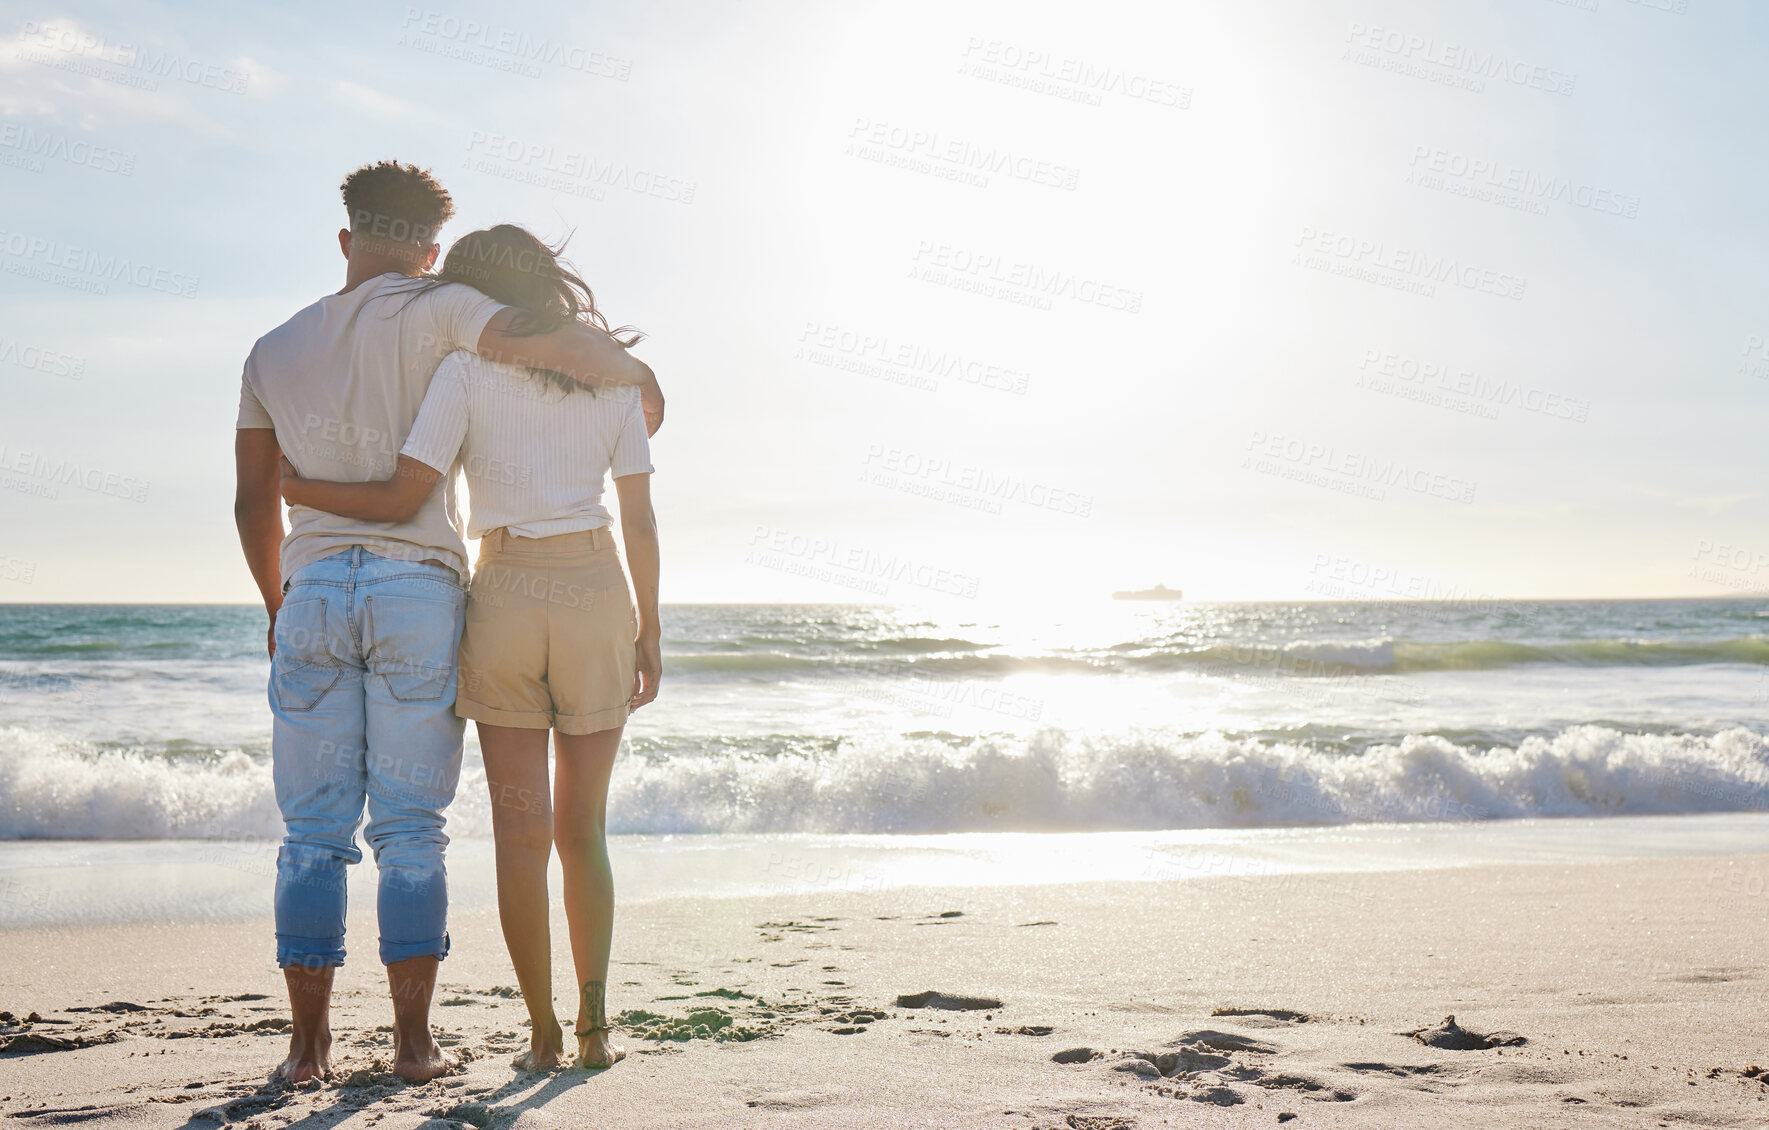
point(311, 953)
point(402, 951)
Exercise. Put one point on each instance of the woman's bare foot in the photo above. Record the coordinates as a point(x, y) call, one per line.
point(309, 1058)
point(546, 1049)
point(595, 1051)
point(421, 1061)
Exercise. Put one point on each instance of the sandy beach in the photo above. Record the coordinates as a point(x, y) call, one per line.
point(1206, 564)
point(1585, 991)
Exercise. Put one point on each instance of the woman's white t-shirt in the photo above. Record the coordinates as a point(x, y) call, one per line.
point(535, 456)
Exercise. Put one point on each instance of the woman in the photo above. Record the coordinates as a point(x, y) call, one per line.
point(552, 639)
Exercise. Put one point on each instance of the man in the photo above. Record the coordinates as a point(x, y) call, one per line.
point(365, 617)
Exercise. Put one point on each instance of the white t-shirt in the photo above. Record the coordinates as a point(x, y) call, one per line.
point(341, 382)
point(535, 455)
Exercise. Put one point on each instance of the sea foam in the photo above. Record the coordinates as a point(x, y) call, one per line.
point(1050, 780)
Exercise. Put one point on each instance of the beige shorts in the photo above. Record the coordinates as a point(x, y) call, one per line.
point(549, 636)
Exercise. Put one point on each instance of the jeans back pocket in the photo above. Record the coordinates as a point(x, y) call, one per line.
point(303, 670)
point(412, 641)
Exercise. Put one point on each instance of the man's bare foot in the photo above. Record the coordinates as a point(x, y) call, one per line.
point(310, 1032)
point(416, 1056)
point(595, 1051)
point(546, 1049)
point(308, 1059)
point(421, 1061)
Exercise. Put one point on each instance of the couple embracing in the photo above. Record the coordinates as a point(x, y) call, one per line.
point(358, 411)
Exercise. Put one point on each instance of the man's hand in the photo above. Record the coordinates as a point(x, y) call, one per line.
point(651, 399)
point(649, 649)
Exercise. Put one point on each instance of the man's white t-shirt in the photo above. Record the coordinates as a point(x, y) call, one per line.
point(341, 382)
point(536, 456)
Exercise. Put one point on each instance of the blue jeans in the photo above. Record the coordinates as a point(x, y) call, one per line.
point(362, 689)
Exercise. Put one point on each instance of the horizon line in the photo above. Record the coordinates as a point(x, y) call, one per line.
point(1471, 601)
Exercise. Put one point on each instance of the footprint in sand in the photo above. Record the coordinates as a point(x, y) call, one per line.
point(932, 999)
point(1399, 1070)
point(810, 926)
point(788, 1100)
point(25, 1037)
point(32, 1043)
point(1224, 1042)
point(1453, 1037)
point(1211, 1063)
point(114, 1006)
point(941, 919)
point(1097, 1122)
point(1712, 976)
point(1265, 1017)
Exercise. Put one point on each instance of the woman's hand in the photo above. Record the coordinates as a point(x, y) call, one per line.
point(651, 400)
point(648, 670)
point(289, 472)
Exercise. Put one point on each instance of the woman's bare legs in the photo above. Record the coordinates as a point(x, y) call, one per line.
point(580, 829)
point(522, 822)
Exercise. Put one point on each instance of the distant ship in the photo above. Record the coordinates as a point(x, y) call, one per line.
point(1159, 592)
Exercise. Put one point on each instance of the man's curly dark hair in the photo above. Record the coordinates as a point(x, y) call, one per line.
point(395, 202)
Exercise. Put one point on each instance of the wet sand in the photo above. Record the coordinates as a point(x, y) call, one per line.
point(1605, 993)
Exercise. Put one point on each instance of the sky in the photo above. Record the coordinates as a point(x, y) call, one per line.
point(955, 303)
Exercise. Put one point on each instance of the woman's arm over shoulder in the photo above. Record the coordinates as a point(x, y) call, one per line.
point(629, 445)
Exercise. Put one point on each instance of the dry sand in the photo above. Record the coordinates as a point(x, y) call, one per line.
point(1624, 993)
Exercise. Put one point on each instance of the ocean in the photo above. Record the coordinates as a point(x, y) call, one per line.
point(143, 722)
